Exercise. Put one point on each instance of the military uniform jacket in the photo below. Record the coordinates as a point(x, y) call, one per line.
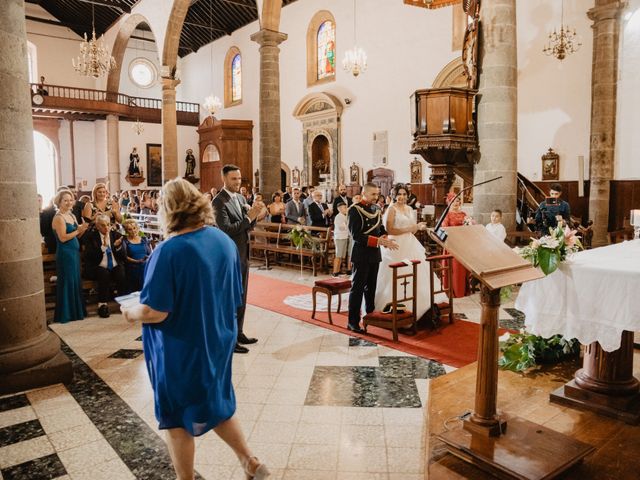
point(365, 227)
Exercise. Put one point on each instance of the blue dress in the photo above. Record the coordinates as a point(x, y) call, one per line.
point(196, 278)
point(135, 271)
point(69, 300)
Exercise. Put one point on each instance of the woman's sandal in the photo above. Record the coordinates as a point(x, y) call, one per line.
point(260, 472)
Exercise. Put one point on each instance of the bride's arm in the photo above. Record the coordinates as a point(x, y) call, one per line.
point(392, 230)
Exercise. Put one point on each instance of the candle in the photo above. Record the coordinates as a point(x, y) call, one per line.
point(581, 175)
point(635, 218)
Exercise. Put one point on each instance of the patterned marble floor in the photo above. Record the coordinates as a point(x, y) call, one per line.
point(314, 404)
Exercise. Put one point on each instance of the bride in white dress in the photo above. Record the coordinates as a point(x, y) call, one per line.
point(400, 223)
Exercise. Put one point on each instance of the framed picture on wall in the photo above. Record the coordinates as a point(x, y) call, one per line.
point(154, 164)
point(550, 165)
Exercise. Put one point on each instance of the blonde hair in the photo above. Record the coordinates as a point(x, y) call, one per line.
point(181, 206)
point(95, 189)
point(129, 221)
point(61, 193)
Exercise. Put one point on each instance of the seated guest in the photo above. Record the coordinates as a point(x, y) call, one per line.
point(319, 213)
point(137, 250)
point(294, 209)
point(101, 204)
point(495, 227)
point(104, 261)
point(69, 300)
point(276, 208)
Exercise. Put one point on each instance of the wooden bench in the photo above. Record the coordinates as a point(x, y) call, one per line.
point(272, 240)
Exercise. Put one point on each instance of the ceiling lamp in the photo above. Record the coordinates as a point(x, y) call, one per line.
point(355, 59)
point(562, 43)
point(94, 59)
point(211, 103)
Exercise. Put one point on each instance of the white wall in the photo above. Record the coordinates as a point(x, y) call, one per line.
point(627, 165)
point(135, 49)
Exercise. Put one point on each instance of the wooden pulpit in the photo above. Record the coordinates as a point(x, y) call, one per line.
point(505, 447)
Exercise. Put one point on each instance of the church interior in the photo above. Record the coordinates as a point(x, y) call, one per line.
point(464, 108)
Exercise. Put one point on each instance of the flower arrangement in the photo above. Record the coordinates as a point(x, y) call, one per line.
point(468, 220)
point(301, 238)
point(548, 251)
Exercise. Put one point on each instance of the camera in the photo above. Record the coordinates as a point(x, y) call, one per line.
point(552, 201)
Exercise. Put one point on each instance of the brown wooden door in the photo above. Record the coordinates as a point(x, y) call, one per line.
point(210, 169)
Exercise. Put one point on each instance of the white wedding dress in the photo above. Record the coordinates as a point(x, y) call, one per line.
point(409, 248)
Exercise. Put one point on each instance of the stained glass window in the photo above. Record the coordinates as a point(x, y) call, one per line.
point(236, 78)
point(326, 50)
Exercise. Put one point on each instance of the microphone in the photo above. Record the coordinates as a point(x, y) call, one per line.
point(438, 231)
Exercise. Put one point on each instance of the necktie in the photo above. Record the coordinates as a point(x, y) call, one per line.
point(109, 258)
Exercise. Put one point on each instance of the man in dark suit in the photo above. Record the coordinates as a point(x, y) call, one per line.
point(368, 234)
point(341, 198)
point(294, 209)
point(319, 212)
point(104, 258)
point(235, 218)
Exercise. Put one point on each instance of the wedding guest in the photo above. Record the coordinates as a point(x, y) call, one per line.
point(104, 261)
point(341, 197)
point(381, 203)
point(455, 218)
point(69, 300)
point(340, 237)
point(276, 209)
point(357, 198)
point(412, 200)
point(46, 226)
point(137, 250)
point(213, 192)
point(188, 318)
point(496, 228)
point(101, 204)
point(319, 212)
point(294, 209)
point(287, 195)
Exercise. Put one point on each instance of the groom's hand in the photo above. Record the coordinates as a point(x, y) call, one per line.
point(388, 243)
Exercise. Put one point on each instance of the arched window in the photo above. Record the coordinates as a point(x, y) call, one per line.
point(32, 59)
point(321, 48)
point(233, 78)
point(45, 155)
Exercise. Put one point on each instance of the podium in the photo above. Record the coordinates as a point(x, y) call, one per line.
point(505, 447)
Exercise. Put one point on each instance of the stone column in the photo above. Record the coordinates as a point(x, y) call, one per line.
point(269, 109)
point(604, 76)
point(30, 354)
point(113, 153)
point(497, 113)
point(169, 129)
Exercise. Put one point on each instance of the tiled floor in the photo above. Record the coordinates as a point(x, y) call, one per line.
point(314, 404)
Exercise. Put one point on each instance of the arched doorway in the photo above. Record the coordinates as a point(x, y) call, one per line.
point(210, 168)
point(320, 158)
point(46, 161)
point(283, 180)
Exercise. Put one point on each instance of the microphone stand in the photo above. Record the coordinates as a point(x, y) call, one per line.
point(438, 231)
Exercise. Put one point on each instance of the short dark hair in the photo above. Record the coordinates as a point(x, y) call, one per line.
point(556, 187)
point(497, 210)
point(276, 194)
point(229, 167)
point(340, 202)
point(369, 185)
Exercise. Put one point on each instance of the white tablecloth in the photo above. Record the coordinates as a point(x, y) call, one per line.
point(592, 297)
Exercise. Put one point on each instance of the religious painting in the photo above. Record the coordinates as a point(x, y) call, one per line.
point(354, 174)
point(550, 165)
point(416, 171)
point(326, 50)
point(236, 78)
point(295, 177)
point(154, 165)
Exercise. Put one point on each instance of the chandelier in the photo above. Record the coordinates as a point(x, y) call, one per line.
point(212, 104)
point(355, 59)
point(94, 59)
point(564, 42)
point(138, 127)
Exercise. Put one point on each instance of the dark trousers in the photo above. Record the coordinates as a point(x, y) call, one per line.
point(365, 277)
point(244, 266)
point(104, 278)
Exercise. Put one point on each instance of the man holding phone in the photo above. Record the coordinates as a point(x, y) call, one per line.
point(552, 210)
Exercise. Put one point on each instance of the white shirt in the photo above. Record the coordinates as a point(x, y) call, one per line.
point(106, 242)
point(340, 228)
point(234, 198)
point(497, 230)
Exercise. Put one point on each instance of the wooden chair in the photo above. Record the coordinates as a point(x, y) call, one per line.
point(394, 320)
point(438, 265)
point(330, 287)
point(617, 236)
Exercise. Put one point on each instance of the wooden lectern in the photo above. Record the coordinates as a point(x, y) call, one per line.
point(505, 447)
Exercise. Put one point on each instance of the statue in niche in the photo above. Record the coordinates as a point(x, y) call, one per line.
point(190, 172)
point(134, 163)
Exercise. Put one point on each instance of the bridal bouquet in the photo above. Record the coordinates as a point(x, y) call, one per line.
point(548, 251)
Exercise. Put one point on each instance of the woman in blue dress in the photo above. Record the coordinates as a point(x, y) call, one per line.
point(69, 300)
point(192, 289)
point(138, 250)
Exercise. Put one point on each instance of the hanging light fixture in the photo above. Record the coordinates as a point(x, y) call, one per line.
point(355, 59)
point(211, 103)
point(562, 43)
point(138, 126)
point(94, 59)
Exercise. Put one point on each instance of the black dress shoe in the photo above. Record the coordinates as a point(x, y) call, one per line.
point(244, 340)
point(103, 311)
point(355, 329)
point(240, 349)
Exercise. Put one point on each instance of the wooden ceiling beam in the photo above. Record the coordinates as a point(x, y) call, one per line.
point(108, 3)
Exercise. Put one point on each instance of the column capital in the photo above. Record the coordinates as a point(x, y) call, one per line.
point(269, 38)
point(170, 83)
point(607, 11)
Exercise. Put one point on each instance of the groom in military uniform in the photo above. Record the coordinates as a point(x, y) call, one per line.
point(368, 234)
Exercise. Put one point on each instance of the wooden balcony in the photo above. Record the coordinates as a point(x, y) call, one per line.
point(87, 104)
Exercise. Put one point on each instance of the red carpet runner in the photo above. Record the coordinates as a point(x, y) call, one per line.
point(454, 344)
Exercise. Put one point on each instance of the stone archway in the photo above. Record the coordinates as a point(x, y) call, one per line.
point(320, 116)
